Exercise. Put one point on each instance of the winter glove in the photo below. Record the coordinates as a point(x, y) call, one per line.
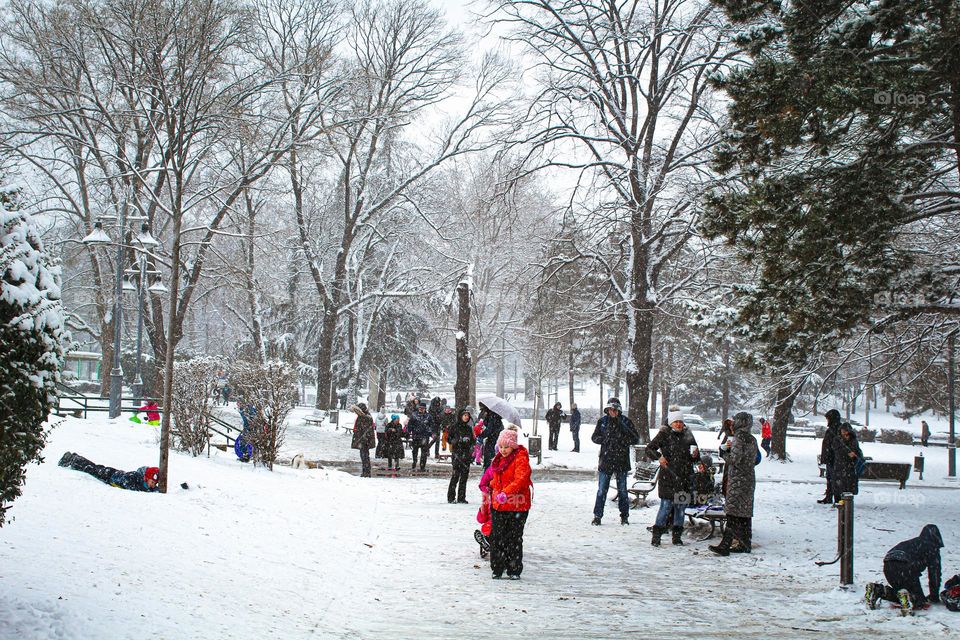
point(501, 498)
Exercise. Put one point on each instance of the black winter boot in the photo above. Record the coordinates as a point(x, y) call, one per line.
point(595, 522)
point(677, 532)
point(657, 534)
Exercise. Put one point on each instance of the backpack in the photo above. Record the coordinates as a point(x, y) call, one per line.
point(861, 466)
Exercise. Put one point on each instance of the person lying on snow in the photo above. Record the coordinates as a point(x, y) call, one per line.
point(143, 479)
point(902, 567)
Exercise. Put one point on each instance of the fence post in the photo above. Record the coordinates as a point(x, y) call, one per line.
point(845, 518)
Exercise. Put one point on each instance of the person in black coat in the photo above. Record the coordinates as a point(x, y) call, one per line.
point(393, 443)
point(676, 450)
point(575, 426)
point(420, 428)
point(846, 454)
point(902, 567)
point(460, 437)
point(143, 479)
point(826, 453)
point(492, 426)
point(615, 434)
point(554, 417)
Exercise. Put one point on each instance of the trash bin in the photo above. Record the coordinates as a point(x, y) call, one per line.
point(918, 465)
point(534, 448)
point(334, 416)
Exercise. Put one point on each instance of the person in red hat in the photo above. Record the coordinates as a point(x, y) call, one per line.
point(143, 479)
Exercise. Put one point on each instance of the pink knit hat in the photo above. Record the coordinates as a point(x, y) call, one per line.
point(508, 437)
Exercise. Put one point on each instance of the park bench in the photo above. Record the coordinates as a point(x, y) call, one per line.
point(644, 481)
point(712, 513)
point(895, 471)
point(315, 421)
point(879, 471)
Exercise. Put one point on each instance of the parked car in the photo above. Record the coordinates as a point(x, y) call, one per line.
point(693, 421)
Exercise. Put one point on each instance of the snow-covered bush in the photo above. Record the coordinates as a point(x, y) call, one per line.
point(266, 393)
point(31, 345)
point(193, 384)
point(895, 436)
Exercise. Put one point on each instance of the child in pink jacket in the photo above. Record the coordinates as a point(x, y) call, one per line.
point(482, 535)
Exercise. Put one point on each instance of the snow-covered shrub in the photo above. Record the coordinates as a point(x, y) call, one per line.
point(266, 393)
point(31, 345)
point(867, 435)
point(895, 436)
point(193, 384)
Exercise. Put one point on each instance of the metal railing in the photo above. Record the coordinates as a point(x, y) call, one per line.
point(80, 406)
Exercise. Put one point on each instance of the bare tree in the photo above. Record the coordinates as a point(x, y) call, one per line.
point(403, 62)
point(624, 102)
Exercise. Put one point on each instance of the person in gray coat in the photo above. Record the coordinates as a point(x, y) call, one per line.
point(364, 437)
point(741, 459)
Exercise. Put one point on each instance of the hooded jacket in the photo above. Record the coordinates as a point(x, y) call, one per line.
point(460, 437)
point(919, 554)
point(420, 426)
point(833, 431)
point(845, 479)
point(615, 435)
point(741, 460)
point(554, 417)
point(511, 475)
point(675, 446)
point(493, 425)
point(364, 434)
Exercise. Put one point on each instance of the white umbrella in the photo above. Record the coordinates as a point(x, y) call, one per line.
point(500, 407)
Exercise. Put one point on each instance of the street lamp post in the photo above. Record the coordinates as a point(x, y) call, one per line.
point(951, 405)
point(116, 373)
point(144, 240)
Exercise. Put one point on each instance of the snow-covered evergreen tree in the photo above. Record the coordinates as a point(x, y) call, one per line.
point(31, 345)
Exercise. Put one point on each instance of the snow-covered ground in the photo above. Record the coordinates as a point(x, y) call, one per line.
point(245, 553)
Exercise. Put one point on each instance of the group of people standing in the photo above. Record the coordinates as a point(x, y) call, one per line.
point(842, 458)
point(554, 417)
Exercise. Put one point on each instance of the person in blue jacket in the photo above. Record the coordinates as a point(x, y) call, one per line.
point(420, 428)
point(143, 479)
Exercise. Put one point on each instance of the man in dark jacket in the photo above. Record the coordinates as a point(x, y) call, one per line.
point(902, 567)
point(554, 417)
point(460, 437)
point(614, 433)
point(420, 427)
point(676, 449)
point(575, 426)
point(143, 479)
point(364, 437)
point(826, 453)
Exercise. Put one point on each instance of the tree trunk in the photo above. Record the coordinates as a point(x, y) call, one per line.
point(656, 375)
point(725, 403)
point(570, 376)
point(786, 394)
point(172, 338)
point(461, 388)
point(382, 388)
point(638, 375)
